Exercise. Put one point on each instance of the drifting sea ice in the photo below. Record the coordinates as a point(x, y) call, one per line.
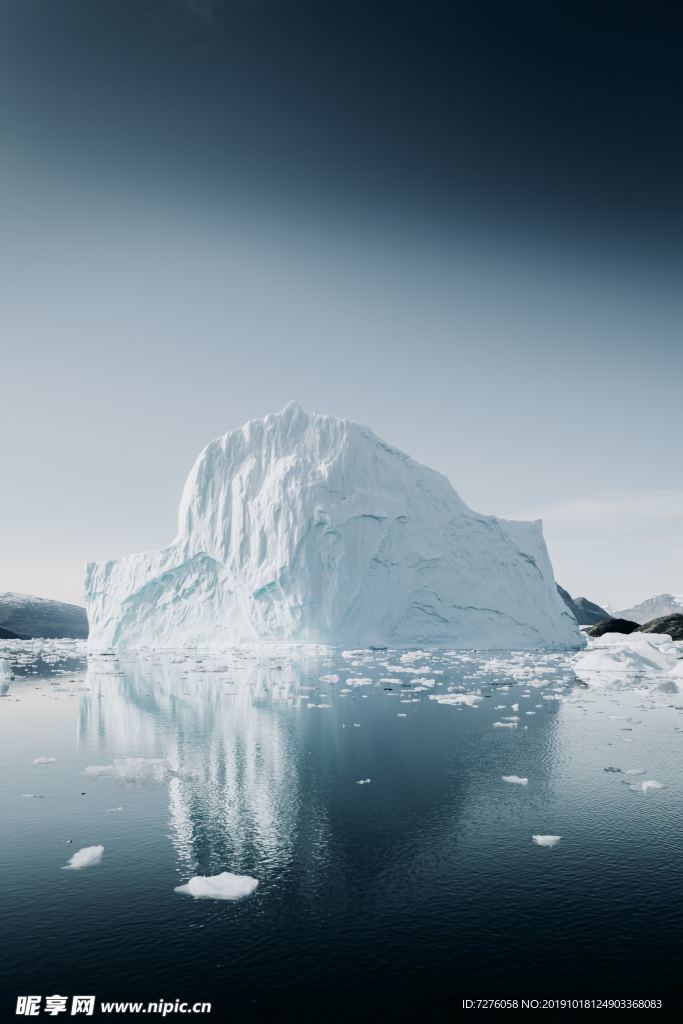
point(469, 699)
point(43, 760)
point(85, 858)
point(546, 840)
point(518, 780)
point(138, 769)
point(645, 787)
point(224, 886)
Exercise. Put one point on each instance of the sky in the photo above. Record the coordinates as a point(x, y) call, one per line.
point(458, 223)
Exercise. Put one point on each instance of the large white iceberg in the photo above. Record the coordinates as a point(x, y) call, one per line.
point(305, 527)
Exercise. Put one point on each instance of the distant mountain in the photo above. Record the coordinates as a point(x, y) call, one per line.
point(654, 608)
point(584, 611)
point(26, 616)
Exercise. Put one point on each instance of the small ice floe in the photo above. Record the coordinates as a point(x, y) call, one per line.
point(85, 858)
point(470, 700)
point(363, 782)
point(44, 760)
point(518, 780)
point(401, 715)
point(504, 725)
point(329, 679)
point(645, 787)
point(634, 771)
point(132, 769)
point(33, 796)
point(546, 840)
point(225, 886)
point(114, 810)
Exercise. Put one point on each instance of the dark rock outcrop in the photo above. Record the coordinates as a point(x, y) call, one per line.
point(670, 624)
point(613, 626)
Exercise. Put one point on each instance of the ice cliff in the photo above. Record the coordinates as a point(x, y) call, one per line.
point(304, 527)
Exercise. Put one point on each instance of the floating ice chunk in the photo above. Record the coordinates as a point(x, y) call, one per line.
point(359, 681)
point(85, 858)
point(44, 760)
point(546, 840)
point(113, 810)
point(132, 769)
point(504, 725)
point(627, 659)
point(363, 782)
point(470, 700)
point(329, 679)
point(634, 771)
point(645, 787)
point(518, 780)
point(400, 715)
point(33, 796)
point(225, 886)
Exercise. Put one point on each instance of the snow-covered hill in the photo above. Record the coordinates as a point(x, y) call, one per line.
point(29, 616)
point(654, 608)
point(305, 527)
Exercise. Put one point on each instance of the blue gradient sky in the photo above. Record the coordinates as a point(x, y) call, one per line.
point(205, 215)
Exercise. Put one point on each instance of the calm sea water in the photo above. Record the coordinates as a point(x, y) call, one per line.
point(395, 898)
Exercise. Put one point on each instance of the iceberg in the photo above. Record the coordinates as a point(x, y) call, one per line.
point(306, 528)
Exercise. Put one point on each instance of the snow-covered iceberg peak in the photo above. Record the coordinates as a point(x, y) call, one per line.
point(302, 527)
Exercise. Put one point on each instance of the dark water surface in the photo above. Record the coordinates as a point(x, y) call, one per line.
point(392, 899)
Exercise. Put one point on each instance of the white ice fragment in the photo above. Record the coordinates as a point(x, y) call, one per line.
point(44, 760)
point(546, 840)
point(504, 725)
point(468, 699)
point(645, 787)
point(85, 858)
point(132, 769)
point(518, 780)
point(224, 886)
